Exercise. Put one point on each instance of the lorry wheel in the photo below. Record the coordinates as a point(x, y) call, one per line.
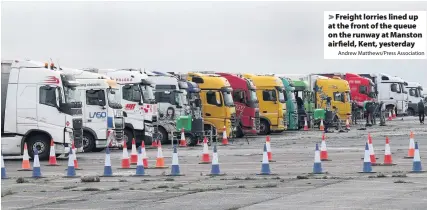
point(128, 136)
point(264, 127)
point(411, 112)
point(190, 140)
point(88, 142)
point(41, 142)
point(162, 135)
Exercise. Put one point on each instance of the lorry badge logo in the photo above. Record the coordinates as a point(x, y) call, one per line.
point(239, 107)
point(97, 114)
point(67, 123)
point(130, 106)
point(52, 80)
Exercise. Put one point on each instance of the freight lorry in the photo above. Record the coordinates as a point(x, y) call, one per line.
point(173, 108)
point(217, 104)
point(137, 98)
point(39, 103)
point(246, 102)
point(103, 120)
point(291, 103)
point(193, 103)
point(272, 103)
point(414, 90)
point(390, 91)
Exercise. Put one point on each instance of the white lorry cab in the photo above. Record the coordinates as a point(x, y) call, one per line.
point(40, 103)
point(103, 121)
point(391, 91)
point(137, 98)
point(414, 90)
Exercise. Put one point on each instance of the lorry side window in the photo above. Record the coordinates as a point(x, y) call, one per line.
point(95, 97)
point(239, 96)
point(131, 93)
point(339, 97)
point(363, 89)
point(47, 96)
point(269, 95)
point(411, 92)
point(393, 87)
point(211, 98)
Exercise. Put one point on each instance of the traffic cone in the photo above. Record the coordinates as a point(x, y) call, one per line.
point(25, 160)
point(76, 164)
point(154, 144)
point(347, 124)
point(265, 166)
point(133, 154)
point(139, 165)
point(182, 141)
point(224, 137)
point(317, 167)
point(390, 118)
point(71, 170)
point(269, 153)
point(367, 168)
point(321, 127)
point(323, 150)
point(215, 171)
point(160, 161)
point(108, 171)
point(411, 149)
point(175, 164)
point(36, 165)
point(3, 169)
point(393, 114)
point(206, 159)
point(416, 165)
point(125, 157)
point(52, 155)
point(144, 155)
point(305, 124)
point(387, 153)
point(371, 151)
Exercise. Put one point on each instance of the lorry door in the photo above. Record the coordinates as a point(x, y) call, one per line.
point(96, 112)
point(213, 109)
point(269, 105)
point(339, 101)
point(48, 115)
point(131, 97)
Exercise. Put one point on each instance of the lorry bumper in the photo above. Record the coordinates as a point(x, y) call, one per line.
point(101, 143)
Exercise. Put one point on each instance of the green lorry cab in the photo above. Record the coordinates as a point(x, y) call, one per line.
point(305, 102)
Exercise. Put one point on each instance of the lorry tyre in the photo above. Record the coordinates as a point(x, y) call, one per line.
point(239, 132)
point(42, 143)
point(88, 142)
point(190, 139)
point(411, 112)
point(128, 136)
point(264, 128)
point(162, 135)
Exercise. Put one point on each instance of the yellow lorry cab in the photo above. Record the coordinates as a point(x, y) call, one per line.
point(217, 103)
point(339, 91)
point(272, 102)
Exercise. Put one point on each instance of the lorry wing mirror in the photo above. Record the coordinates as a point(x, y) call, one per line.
point(218, 98)
point(198, 102)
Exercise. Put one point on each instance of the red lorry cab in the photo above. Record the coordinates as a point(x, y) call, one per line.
point(246, 102)
point(359, 86)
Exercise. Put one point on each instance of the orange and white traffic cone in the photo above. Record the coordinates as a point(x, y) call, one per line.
point(411, 150)
point(125, 157)
point(25, 160)
point(224, 137)
point(182, 142)
point(160, 161)
point(144, 155)
point(133, 154)
point(74, 149)
point(305, 124)
point(393, 114)
point(323, 149)
point(390, 118)
point(52, 155)
point(387, 154)
point(269, 153)
point(206, 159)
point(347, 124)
point(321, 127)
point(371, 151)
point(154, 143)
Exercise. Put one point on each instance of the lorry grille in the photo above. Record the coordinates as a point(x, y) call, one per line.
point(78, 137)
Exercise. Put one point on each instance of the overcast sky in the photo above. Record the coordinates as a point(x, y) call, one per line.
point(280, 37)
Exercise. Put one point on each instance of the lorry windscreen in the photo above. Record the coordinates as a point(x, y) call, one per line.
point(228, 99)
point(113, 97)
point(148, 94)
point(71, 94)
point(282, 98)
